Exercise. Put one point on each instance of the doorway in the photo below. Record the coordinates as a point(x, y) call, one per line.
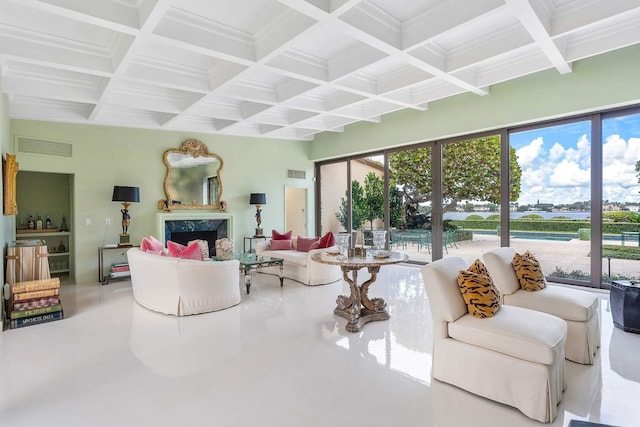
point(295, 200)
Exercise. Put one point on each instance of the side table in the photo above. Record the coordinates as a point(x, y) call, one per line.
point(250, 239)
point(624, 298)
point(104, 278)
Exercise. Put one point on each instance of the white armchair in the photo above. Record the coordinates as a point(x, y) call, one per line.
point(578, 308)
point(515, 357)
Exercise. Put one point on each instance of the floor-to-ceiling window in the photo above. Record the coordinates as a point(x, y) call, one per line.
point(333, 206)
point(471, 195)
point(572, 195)
point(552, 215)
point(621, 197)
point(367, 197)
point(410, 200)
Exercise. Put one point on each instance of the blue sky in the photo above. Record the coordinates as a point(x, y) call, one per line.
point(556, 161)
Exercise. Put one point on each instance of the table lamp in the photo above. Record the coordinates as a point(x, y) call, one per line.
point(126, 195)
point(258, 199)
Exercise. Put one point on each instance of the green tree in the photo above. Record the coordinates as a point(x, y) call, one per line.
point(358, 215)
point(470, 171)
point(395, 208)
point(373, 198)
point(367, 202)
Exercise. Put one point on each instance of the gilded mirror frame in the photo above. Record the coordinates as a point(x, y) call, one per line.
point(195, 149)
point(10, 171)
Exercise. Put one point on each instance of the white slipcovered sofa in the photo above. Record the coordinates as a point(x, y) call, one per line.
point(515, 357)
point(578, 308)
point(299, 266)
point(182, 286)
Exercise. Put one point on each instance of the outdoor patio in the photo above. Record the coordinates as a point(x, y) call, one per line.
point(567, 255)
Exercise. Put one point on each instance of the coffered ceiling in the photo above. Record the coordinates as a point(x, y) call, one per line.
point(283, 68)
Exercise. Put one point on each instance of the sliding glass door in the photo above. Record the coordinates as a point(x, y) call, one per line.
point(334, 191)
point(552, 216)
point(621, 197)
point(410, 199)
point(571, 196)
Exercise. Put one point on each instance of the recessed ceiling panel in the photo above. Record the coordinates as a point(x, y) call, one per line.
point(406, 9)
point(249, 16)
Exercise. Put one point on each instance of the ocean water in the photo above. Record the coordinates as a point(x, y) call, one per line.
point(514, 215)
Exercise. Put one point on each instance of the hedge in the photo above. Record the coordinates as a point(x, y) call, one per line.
point(570, 226)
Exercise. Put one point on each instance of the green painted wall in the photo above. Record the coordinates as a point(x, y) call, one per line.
point(42, 194)
point(7, 224)
point(604, 81)
point(105, 156)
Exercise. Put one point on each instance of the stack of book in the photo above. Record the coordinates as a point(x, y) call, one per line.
point(35, 301)
point(119, 270)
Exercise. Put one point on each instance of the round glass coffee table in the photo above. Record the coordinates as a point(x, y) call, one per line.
point(357, 307)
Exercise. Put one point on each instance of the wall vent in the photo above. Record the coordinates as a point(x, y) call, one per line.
point(296, 174)
point(41, 146)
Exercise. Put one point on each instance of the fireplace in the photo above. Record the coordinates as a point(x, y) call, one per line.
point(184, 227)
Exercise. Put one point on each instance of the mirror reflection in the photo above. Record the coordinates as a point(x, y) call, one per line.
point(193, 177)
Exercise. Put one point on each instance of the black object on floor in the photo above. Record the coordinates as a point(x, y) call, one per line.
point(625, 305)
point(576, 423)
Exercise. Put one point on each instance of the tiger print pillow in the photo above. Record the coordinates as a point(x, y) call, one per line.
point(479, 292)
point(528, 271)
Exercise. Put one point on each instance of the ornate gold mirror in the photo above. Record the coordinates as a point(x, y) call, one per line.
point(193, 177)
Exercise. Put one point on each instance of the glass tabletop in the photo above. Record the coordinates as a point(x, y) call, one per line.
point(247, 259)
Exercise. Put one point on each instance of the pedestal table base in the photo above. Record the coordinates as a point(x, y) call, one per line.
point(357, 308)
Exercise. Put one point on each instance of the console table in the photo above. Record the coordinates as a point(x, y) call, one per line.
point(357, 308)
point(250, 239)
point(105, 278)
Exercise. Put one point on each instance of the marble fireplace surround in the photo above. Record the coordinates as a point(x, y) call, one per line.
point(194, 221)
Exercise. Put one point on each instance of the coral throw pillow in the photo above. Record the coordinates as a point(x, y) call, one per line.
point(327, 240)
point(479, 292)
point(177, 250)
point(305, 243)
point(277, 236)
point(281, 245)
point(529, 272)
point(152, 245)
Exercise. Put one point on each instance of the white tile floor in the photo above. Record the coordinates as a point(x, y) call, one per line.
point(280, 358)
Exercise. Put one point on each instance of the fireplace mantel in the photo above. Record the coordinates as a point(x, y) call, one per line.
point(163, 217)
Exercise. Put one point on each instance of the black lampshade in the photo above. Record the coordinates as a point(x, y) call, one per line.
point(125, 194)
point(258, 199)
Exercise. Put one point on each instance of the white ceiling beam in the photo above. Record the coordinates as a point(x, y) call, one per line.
point(537, 23)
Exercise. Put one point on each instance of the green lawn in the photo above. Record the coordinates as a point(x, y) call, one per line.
point(621, 252)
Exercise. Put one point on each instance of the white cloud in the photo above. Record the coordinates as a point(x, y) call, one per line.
point(618, 173)
point(568, 173)
point(632, 154)
point(613, 149)
point(528, 153)
point(556, 152)
point(562, 174)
